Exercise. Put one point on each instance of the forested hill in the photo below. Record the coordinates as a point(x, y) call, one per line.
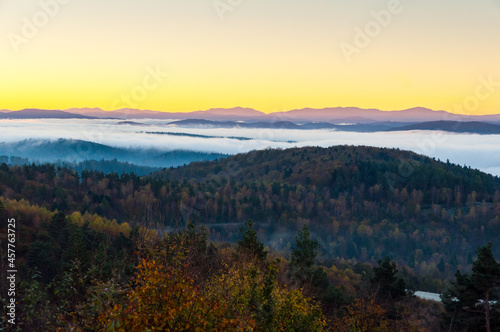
point(343, 169)
point(360, 203)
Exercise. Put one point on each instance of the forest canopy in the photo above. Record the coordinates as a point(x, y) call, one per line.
point(360, 203)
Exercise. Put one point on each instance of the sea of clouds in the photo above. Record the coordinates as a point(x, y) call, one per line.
point(478, 151)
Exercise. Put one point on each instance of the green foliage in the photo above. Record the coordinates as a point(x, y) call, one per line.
point(485, 270)
point(336, 297)
point(36, 304)
point(387, 286)
point(303, 260)
point(457, 299)
point(305, 250)
point(182, 279)
point(58, 261)
point(361, 203)
point(471, 301)
point(250, 244)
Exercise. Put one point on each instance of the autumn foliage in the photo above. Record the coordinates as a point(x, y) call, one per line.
point(165, 296)
point(363, 315)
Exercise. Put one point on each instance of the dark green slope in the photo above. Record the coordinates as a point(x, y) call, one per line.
point(339, 169)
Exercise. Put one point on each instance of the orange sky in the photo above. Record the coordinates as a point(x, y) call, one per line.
point(268, 55)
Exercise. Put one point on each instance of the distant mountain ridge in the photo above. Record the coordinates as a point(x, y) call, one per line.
point(287, 125)
point(335, 115)
point(42, 114)
point(474, 127)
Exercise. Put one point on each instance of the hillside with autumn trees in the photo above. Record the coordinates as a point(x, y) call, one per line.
point(304, 239)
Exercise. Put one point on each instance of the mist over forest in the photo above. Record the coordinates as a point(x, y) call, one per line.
point(119, 141)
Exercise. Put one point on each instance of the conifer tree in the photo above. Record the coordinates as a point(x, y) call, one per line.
point(386, 282)
point(250, 244)
point(303, 257)
point(472, 300)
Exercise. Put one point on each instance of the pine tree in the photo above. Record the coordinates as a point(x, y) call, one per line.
point(386, 282)
point(250, 244)
point(469, 299)
point(302, 262)
point(486, 279)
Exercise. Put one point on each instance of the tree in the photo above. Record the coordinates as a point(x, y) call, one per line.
point(166, 296)
point(305, 250)
point(363, 315)
point(486, 279)
point(386, 283)
point(303, 258)
point(250, 244)
point(471, 297)
point(3, 213)
point(441, 266)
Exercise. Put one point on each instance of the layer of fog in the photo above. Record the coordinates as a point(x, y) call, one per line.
point(477, 151)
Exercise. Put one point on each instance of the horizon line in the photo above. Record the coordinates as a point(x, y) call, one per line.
point(246, 108)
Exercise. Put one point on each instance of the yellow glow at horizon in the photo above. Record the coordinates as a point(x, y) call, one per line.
point(256, 58)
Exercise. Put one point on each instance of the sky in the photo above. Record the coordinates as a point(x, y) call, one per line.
point(188, 55)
